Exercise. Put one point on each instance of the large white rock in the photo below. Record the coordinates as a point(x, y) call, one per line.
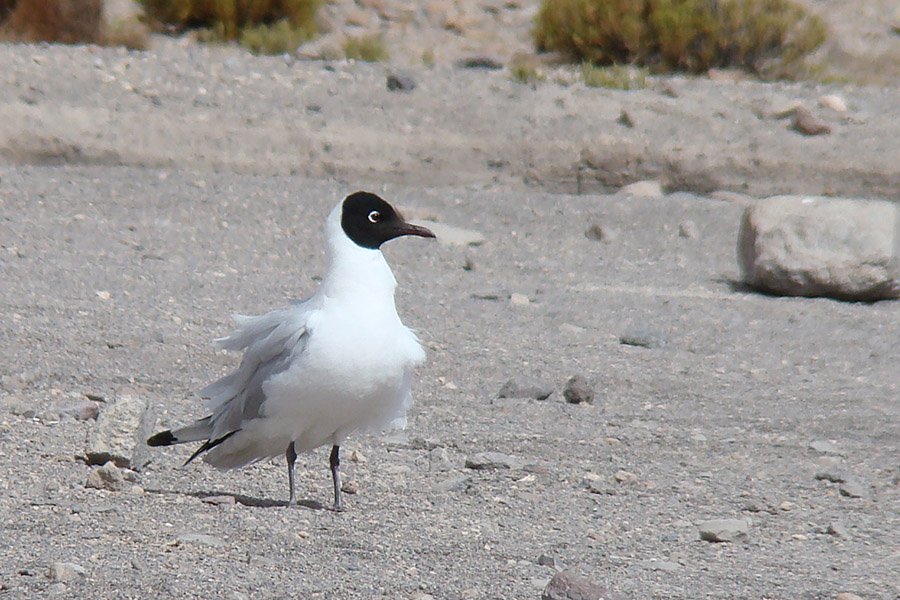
point(815, 246)
point(119, 434)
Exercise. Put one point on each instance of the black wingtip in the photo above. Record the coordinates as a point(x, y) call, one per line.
point(163, 438)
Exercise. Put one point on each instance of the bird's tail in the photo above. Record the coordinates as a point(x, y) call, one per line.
point(195, 432)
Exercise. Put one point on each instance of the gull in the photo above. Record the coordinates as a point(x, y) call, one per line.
point(322, 368)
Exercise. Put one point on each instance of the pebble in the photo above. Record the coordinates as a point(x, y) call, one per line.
point(833, 102)
point(824, 446)
point(644, 189)
point(602, 233)
point(201, 539)
point(688, 230)
point(517, 299)
point(567, 585)
point(578, 390)
point(349, 486)
point(853, 489)
point(120, 432)
point(808, 124)
point(83, 410)
point(357, 457)
point(66, 571)
point(219, 500)
point(787, 506)
point(545, 560)
point(832, 476)
point(489, 461)
point(108, 477)
point(56, 589)
point(398, 82)
point(643, 337)
point(847, 596)
point(525, 388)
point(724, 530)
point(439, 460)
point(837, 529)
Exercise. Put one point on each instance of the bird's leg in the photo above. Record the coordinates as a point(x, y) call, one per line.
point(335, 462)
point(291, 455)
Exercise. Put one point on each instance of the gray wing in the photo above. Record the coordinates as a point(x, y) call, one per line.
point(270, 342)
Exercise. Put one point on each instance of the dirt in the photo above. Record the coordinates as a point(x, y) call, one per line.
point(145, 197)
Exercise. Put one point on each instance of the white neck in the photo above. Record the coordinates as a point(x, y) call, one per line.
point(354, 272)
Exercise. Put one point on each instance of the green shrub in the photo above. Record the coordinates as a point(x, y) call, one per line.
point(367, 48)
point(232, 19)
point(766, 37)
point(615, 77)
point(273, 39)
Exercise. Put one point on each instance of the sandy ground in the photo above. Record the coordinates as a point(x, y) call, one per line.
point(145, 197)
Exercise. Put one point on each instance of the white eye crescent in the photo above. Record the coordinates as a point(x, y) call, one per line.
point(374, 216)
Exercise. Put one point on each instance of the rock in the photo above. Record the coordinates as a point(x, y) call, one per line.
point(602, 233)
point(222, 500)
point(622, 476)
point(566, 585)
point(460, 483)
point(833, 102)
point(66, 571)
point(448, 235)
point(724, 530)
point(120, 434)
point(808, 124)
point(579, 390)
point(853, 489)
point(847, 596)
point(517, 299)
point(108, 477)
point(201, 539)
point(644, 337)
point(397, 82)
point(832, 476)
point(688, 229)
point(525, 388)
point(19, 407)
point(489, 461)
point(644, 189)
point(54, 589)
point(837, 530)
point(439, 460)
point(814, 246)
point(349, 486)
point(824, 446)
point(480, 62)
point(326, 47)
point(625, 119)
point(546, 561)
point(82, 410)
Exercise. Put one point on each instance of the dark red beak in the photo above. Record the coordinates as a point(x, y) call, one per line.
point(410, 229)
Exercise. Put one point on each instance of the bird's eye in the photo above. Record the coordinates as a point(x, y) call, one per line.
point(374, 216)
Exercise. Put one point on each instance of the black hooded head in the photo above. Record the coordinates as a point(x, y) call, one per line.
point(370, 221)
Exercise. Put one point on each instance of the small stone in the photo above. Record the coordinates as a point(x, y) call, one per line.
point(837, 530)
point(83, 410)
point(644, 337)
point(688, 230)
point(787, 506)
point(724, 530)
point(448, 235)
point(200, 539)
point(566, 585)
point(525, 388)
point(832, 476)
point(480, 62)
point(103, 295)
point(824, 446)
point(808, 124)
point(397, 82)
point(439, 460)
point(460, 483)
point(489, 461)
point(222, 500)
point(578, 390)
point(833, 102)
point(349, 486)
point(54, 589)
point(66, 571)
point(643, 189)
point(602, 233)
point(623, 476)
point(517, 299)
point(853, 489)
point(357, 457)
point(847, 596)
point(108, 477)
point(625, 119)
point(546, 561)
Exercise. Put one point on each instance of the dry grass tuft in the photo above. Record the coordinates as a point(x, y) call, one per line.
point(367, 48)
point(769, 38)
